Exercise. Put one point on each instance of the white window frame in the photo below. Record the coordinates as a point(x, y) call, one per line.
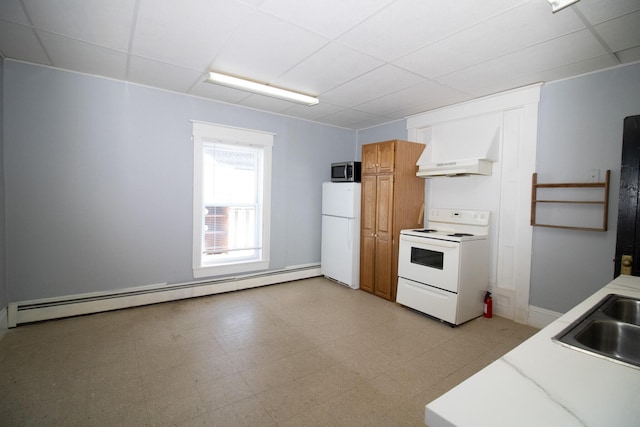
point(209, 132)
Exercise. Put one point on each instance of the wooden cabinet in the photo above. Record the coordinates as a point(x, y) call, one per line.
point(392, 199)
point(377, 234)
point(378, 158)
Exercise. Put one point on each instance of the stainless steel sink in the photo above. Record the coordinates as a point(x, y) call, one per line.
point(611, 329)
point(624, 309)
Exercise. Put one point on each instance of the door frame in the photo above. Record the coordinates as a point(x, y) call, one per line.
point(628, 231)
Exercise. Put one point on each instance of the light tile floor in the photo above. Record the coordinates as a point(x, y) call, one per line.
point(305, 353)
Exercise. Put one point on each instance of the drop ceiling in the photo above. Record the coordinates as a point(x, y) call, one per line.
point(368, 61)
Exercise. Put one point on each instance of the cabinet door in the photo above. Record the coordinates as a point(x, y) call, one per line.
point(368, 233)
point(369, 158)
point(384, 206)
point(384, 281)
point(386, 157)
point(384, 236)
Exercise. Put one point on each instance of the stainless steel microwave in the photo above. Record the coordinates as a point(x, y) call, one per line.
point(345, 172)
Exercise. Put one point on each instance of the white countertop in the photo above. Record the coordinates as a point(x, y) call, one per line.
point(542, 383)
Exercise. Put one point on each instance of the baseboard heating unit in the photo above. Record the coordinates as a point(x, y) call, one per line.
point(95, 302)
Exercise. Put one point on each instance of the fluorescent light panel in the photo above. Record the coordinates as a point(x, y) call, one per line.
point(558, 5)
point(248, 85)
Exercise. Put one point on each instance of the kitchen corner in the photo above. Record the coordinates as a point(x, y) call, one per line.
point(543, 383)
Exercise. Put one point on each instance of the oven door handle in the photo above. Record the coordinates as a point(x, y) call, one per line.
point(429, 242)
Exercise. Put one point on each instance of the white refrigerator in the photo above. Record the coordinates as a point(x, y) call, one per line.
point(340, 254)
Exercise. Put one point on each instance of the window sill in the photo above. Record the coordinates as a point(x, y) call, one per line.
point(223, 269)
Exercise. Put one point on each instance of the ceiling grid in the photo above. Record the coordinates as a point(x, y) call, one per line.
point(369, 62)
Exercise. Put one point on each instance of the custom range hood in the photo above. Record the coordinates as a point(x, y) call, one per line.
point(455, 168)
point(460, 148)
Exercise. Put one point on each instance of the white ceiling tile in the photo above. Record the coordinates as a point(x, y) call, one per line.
point(555, 53)
point(266, 103)
point(559, 73)
point(319, 72)
point(189, 34)
point(327, 17)
point(371, 122)
point(597, 11)
point(379, 82)
point(254, 3)
point(347, 117)
point(576, 68)
point(414, 99)
point(621, 33)
point(518, 28)
point(158, 74)
point(20, 42)
point(11, 10)
point(492, 88)
point(313, 112)
point(107, 23)
point(218, 92)
point(407, 25)
point(385, 105)
point(256, 50)
point(629, 55)
point(86, 58)
point(446, 56)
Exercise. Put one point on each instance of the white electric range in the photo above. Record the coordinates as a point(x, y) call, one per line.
point(443, 270)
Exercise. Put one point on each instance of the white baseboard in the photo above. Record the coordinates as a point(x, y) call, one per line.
point(4, 322)
point(503, 306)
point(541, 317)
point(74, 305)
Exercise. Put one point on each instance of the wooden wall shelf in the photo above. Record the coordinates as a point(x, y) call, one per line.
point(604, 202)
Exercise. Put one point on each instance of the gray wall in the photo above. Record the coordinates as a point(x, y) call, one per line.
point(98, 177)
point(580, 128)
point(4, 292)
point(385, 132)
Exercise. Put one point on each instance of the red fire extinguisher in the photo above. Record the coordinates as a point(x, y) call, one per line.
point(488, 305)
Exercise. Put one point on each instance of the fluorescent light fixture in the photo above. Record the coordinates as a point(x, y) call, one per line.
point(248, 85)
point(557, 5)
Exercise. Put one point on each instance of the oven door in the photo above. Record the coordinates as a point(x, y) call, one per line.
point(430, 261)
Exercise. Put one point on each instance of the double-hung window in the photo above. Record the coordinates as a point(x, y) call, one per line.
point(231, 199)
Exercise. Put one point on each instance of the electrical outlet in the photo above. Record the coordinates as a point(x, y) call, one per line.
point(594, 175)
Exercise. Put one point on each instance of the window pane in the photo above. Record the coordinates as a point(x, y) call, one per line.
point(230, 174)
point(231, 182)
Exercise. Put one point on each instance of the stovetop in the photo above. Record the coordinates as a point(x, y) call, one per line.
point(449, 235)
point(454, 225)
